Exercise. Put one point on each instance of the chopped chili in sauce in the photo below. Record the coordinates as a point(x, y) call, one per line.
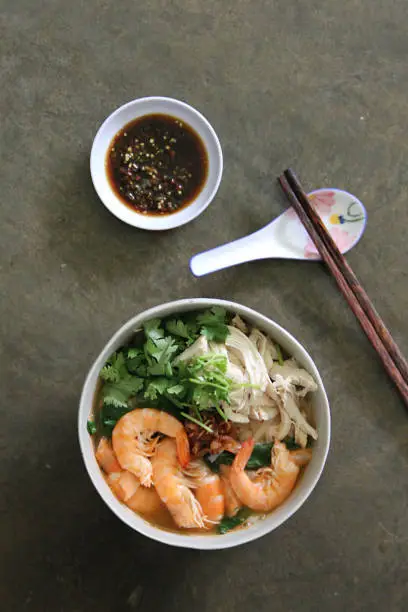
point(157, 164)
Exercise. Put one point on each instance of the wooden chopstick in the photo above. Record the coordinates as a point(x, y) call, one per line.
point(359, 302)
point(349, 275)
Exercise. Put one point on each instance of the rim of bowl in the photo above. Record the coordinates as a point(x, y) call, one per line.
point(274, 519)
point(186, 213)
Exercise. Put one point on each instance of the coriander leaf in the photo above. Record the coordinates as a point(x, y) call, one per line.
point(177, 390)
point(120, 392)
point(216, 313)
point(136, 361)
point(213, 324)
point(149, 347)
point(152, 329)
point(205, 396)
point(160, 353)
point(215, 333)
point(177, 327)
point(133, 351)
point(157, 386)
point(202, 398)
point(119, 384)
point(160, 369)
point(109, 373)
point(110, 415)
point(115, 400)
point(164, 348)
point(91, 427)
point(230, 522)
point(113, 367)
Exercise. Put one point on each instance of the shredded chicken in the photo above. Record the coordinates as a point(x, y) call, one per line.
point(294, 374)
point(239, 324)
point(259, 404)
point(264, 346)
point(260, 431)
point(266, 402)
point(285, 386)
point(289, 405)
point(197, 349)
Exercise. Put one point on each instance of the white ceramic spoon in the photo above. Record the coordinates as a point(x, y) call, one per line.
point(285, 237)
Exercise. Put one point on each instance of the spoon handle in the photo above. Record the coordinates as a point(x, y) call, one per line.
point(227, 255)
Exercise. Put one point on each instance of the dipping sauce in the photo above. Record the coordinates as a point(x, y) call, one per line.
point(157, 164)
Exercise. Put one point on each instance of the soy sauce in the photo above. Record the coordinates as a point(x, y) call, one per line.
point(157, 164)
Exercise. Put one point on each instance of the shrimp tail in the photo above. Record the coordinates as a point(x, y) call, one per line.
point(183, 448)
point(242, 457)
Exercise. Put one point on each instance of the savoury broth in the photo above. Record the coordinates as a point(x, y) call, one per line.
point(157, 164)
point(162, 519)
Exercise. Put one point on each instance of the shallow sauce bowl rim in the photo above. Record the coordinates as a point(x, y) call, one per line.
point(239, 536)
point(133, 110)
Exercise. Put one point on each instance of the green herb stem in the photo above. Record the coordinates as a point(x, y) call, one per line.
point(198, 413)
point(197, 422)
point(206, 383)
point(221, 412)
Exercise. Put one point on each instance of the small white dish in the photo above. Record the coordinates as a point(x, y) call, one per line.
point(128, 113)
point(321, 414)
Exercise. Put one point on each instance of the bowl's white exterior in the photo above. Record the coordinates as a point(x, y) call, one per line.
point(124, 115)
point(278, 516)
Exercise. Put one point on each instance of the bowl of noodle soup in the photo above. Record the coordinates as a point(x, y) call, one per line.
point(318, 414)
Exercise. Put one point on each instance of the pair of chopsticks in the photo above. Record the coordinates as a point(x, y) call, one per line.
point(393, 360)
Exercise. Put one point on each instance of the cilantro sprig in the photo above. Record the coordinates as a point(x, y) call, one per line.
point(213, 324)
point(206, 383)
point(146, 373)
point(120, 384)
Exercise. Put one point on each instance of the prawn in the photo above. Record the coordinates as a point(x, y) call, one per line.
point(208, 490)
point(138, 498)
point(125, 485)
point(271, 486)
point(133, 443)
point(173, 487)
point(106, 458)
point(232, 502)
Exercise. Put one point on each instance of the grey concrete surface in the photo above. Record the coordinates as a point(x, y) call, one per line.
point(319, 85)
